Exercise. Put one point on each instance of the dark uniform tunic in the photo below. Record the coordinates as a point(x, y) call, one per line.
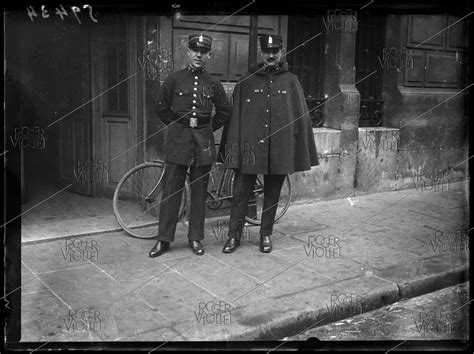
point(186, 94)
point(185, 103)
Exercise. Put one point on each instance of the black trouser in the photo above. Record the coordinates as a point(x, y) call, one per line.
point(173, 179)
point(243, 189)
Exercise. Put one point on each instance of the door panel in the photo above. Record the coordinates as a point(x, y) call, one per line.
point(115, 75)
point(239, 56)
point(118, 137)
point(218, 64)
point(74, 153)
point(75, 127)
point(421, 27)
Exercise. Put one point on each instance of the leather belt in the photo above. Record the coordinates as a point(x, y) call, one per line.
point(193, 122)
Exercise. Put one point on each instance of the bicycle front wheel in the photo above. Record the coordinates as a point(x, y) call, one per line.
point(137, 200)
point(255, 207)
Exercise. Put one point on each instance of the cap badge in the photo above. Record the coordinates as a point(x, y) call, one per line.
point(201, 38)
point(270, 40)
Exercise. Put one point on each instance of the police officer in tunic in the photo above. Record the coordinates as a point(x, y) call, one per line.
point(185, 103)
point(270, 119)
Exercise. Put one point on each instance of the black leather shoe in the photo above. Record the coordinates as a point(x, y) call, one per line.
point(231, 245)
point(265, 244)
point(159, 248)
point(196, 247)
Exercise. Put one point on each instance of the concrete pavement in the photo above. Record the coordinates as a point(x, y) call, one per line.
point(331, 260)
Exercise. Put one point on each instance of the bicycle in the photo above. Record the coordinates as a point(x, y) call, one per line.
point(137, 197)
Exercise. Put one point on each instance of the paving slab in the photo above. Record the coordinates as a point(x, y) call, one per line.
point(389, 246)
point(433, 273)
point(283, 316)
point(335, 268)
point(437, 316)
point(57, 255)
point(42, 308)
point(30, 283)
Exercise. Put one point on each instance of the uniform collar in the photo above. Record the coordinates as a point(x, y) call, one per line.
point(271, 69)
point(260, 69)
point(194, 70)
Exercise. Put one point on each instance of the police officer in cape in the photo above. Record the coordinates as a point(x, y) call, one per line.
point(270, 118)
point(185, 103)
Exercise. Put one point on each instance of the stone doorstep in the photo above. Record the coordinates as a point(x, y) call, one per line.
point(378, 129)
point(327, 140)
point(79, 227)
point(44, 237)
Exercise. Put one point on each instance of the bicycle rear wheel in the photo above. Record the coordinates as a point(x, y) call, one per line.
point(137, 200)
point(254, 213)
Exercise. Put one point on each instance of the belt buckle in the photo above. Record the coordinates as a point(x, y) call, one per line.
point(193, 122)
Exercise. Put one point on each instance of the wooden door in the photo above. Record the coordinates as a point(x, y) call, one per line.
point(75, 122)
point(116, 74)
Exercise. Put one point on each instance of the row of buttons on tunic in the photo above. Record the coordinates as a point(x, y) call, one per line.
point(268, 111)
point(195, 95)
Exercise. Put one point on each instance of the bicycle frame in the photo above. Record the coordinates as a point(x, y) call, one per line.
point(214, 200)
point(211, 197)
